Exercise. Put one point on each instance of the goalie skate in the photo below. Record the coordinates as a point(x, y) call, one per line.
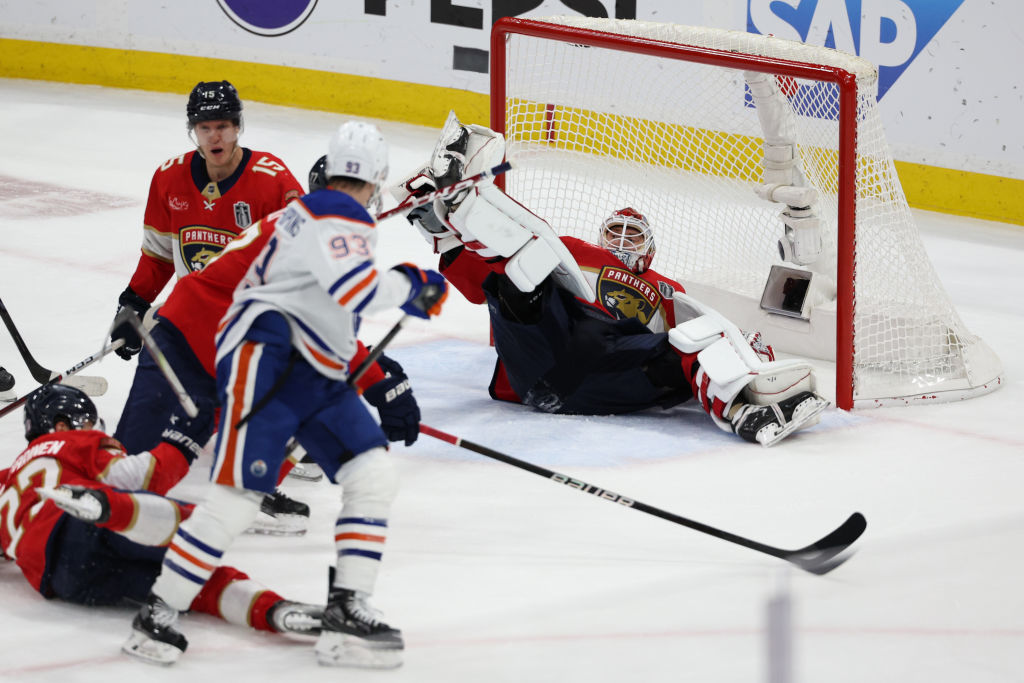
point(280, 515)
point(770, 424)
point(353, 635)
point(88, 505)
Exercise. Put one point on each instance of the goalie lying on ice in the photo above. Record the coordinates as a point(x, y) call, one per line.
point(583, 328)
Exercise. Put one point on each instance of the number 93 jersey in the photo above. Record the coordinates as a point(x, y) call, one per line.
point(318, 271)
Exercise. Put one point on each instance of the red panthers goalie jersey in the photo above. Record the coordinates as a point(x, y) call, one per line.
point(83, 458)
point(621, 293)
point(190, 218)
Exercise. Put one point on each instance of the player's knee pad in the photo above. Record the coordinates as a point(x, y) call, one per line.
point(224, 514)
point(369, 482)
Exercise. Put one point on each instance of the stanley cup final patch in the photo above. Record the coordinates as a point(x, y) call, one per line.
point(625, 295)
point(199, 243)
point(243, 215)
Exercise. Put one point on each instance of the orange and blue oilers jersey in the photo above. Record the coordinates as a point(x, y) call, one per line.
point(318, 271)
point(190, 218)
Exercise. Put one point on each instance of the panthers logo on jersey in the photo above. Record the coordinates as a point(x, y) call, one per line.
point(199, 243)
point(624, 295)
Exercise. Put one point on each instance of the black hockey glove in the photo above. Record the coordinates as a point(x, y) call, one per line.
point(393, 399)
point(132, 341)
point(188, 436)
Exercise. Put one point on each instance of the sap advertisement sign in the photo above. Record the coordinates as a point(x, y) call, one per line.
point(888, 33)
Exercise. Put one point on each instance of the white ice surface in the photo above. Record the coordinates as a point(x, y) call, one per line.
point(493, 573)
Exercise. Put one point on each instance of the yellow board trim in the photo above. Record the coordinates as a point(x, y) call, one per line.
point(424, 105)
point(927, 187)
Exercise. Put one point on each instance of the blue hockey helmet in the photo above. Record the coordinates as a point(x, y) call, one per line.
point(56, 402)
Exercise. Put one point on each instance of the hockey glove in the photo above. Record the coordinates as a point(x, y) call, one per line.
point(393, 399)
point(427, 294)
point(132, 341)
point(188, 436)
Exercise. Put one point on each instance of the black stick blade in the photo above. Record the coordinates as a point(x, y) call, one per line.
point(824, 555)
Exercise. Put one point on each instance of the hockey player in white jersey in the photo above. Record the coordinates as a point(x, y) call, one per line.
point(283, 355)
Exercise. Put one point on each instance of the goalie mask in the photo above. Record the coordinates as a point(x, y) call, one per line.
point(627, 234)
point(358, 150)
point(58, 402)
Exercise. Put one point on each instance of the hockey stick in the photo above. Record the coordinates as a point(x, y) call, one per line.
point(59, 377)
point(129, 316)
point(94, 386)
point(376, 352)
point(820, 557)
point(411, 203)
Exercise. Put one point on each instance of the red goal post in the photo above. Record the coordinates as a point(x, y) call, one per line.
point(604, 113)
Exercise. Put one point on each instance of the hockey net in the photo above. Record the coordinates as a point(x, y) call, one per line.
point(600, 114)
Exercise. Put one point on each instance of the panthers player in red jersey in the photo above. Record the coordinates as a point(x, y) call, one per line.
point(87, 523)
point(200, 200)
point(586, 328)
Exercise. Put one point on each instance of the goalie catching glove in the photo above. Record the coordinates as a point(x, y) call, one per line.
point(393, 399)
point(484, 219)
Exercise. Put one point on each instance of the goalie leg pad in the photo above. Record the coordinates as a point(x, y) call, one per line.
point(494, 225)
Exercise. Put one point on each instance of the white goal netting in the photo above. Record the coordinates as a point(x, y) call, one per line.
point(675, 134)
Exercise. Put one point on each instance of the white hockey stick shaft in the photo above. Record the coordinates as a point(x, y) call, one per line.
point(415, 202)
point(58, 377)
point(127, 315)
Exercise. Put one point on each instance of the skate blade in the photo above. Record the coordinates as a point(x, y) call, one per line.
point(339, 649)
point(304, 472)
point(808, 417)
point(283, 525)
point(143, 647)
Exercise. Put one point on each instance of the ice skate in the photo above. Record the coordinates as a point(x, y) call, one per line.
point(295, 618)
point(86, 504)
point(354, 635)
point(154, 638)
point(280, 515)
point(769, 424)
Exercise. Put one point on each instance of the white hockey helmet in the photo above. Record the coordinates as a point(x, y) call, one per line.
point(358, 150)
point(628, 235)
